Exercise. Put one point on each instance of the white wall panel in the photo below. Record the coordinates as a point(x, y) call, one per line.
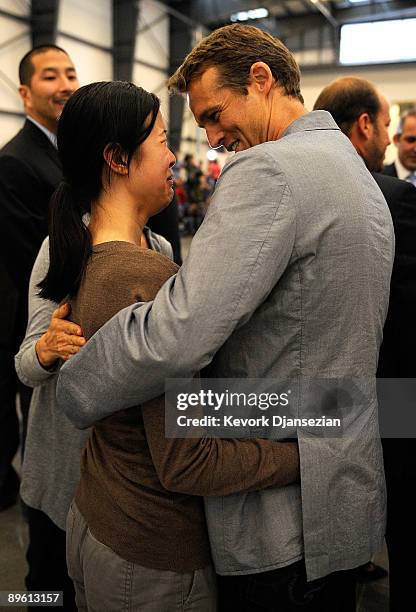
point(152, 44)
point(10, 56)
point(150, 79)
point(198, 144)
point(17, 7)
point(91, 20)
point(9, 127)
point(91, 64)
point(309, 57)
point(154, 81)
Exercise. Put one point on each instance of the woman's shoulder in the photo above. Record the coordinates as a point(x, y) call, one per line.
point(118, 274)
point(119, 262)
point(111, 254)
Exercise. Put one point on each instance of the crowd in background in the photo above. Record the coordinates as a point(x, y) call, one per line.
point(193, 189)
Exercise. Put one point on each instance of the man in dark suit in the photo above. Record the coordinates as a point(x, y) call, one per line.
point(362, 114)
point(30, 170)
point(404, 167)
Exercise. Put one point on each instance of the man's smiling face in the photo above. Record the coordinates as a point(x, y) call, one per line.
point(231, 119)
point(406, 144)
point(53, 81)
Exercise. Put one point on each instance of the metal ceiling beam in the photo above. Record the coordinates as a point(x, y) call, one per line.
point(307, 5)
point(10, 113)
point(145, 27)
point(288, 10)
point(125, 19)
point(178, 13)
point(211, 11)
point(341, 68)
point(386, 15)
point(325, 11)
point(10, 15)
point(44, 21)
point(291, 27)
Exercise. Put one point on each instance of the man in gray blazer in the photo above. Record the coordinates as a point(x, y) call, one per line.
point(287, 278)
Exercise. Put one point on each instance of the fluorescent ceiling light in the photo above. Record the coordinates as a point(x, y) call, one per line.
point(259, 13)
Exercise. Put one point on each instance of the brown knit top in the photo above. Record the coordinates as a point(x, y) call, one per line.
point(128, 465)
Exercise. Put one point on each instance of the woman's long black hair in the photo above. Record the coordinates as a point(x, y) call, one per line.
point(115, 113)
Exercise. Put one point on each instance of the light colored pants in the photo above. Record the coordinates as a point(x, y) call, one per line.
point(104, 582)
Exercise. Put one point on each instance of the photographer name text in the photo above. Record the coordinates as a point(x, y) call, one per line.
point(263, 421)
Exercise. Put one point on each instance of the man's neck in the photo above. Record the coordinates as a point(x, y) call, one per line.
point(359, 144)
point(284, 111)
point(363, 157)
point(402, 171)
point(51, 126)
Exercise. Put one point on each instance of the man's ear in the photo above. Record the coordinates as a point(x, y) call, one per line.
point(261, 77)
point(396, 139)
point(24, 92)
point(365, 126)
point(116, 158)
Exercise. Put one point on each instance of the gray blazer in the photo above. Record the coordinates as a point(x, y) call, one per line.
point(287, 277)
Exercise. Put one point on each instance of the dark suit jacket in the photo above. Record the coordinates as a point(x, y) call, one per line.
point(397, 350)
point(397, 354)
point(30, 171)
point(166, 224)
point(390, 170)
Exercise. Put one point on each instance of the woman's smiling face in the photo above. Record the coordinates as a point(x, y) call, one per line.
point(150, 174)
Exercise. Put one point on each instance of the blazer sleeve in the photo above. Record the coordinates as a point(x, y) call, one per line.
point(23, 217)
point(236, 258)
point(396, 358)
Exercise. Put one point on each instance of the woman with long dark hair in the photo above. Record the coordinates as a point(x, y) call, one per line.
point(136, 534)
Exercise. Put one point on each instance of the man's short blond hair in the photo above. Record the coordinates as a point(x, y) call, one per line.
point(232, 50)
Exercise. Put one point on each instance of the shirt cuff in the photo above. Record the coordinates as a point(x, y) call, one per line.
point(31, 371)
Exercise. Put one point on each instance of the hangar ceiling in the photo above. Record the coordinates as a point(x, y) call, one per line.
point(303, 25)
point(214, 13)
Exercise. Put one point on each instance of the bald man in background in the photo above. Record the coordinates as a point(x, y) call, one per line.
point(362, 113)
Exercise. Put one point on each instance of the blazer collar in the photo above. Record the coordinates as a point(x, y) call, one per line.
point(48, 133)
point(316, 120)
point(41, 140)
